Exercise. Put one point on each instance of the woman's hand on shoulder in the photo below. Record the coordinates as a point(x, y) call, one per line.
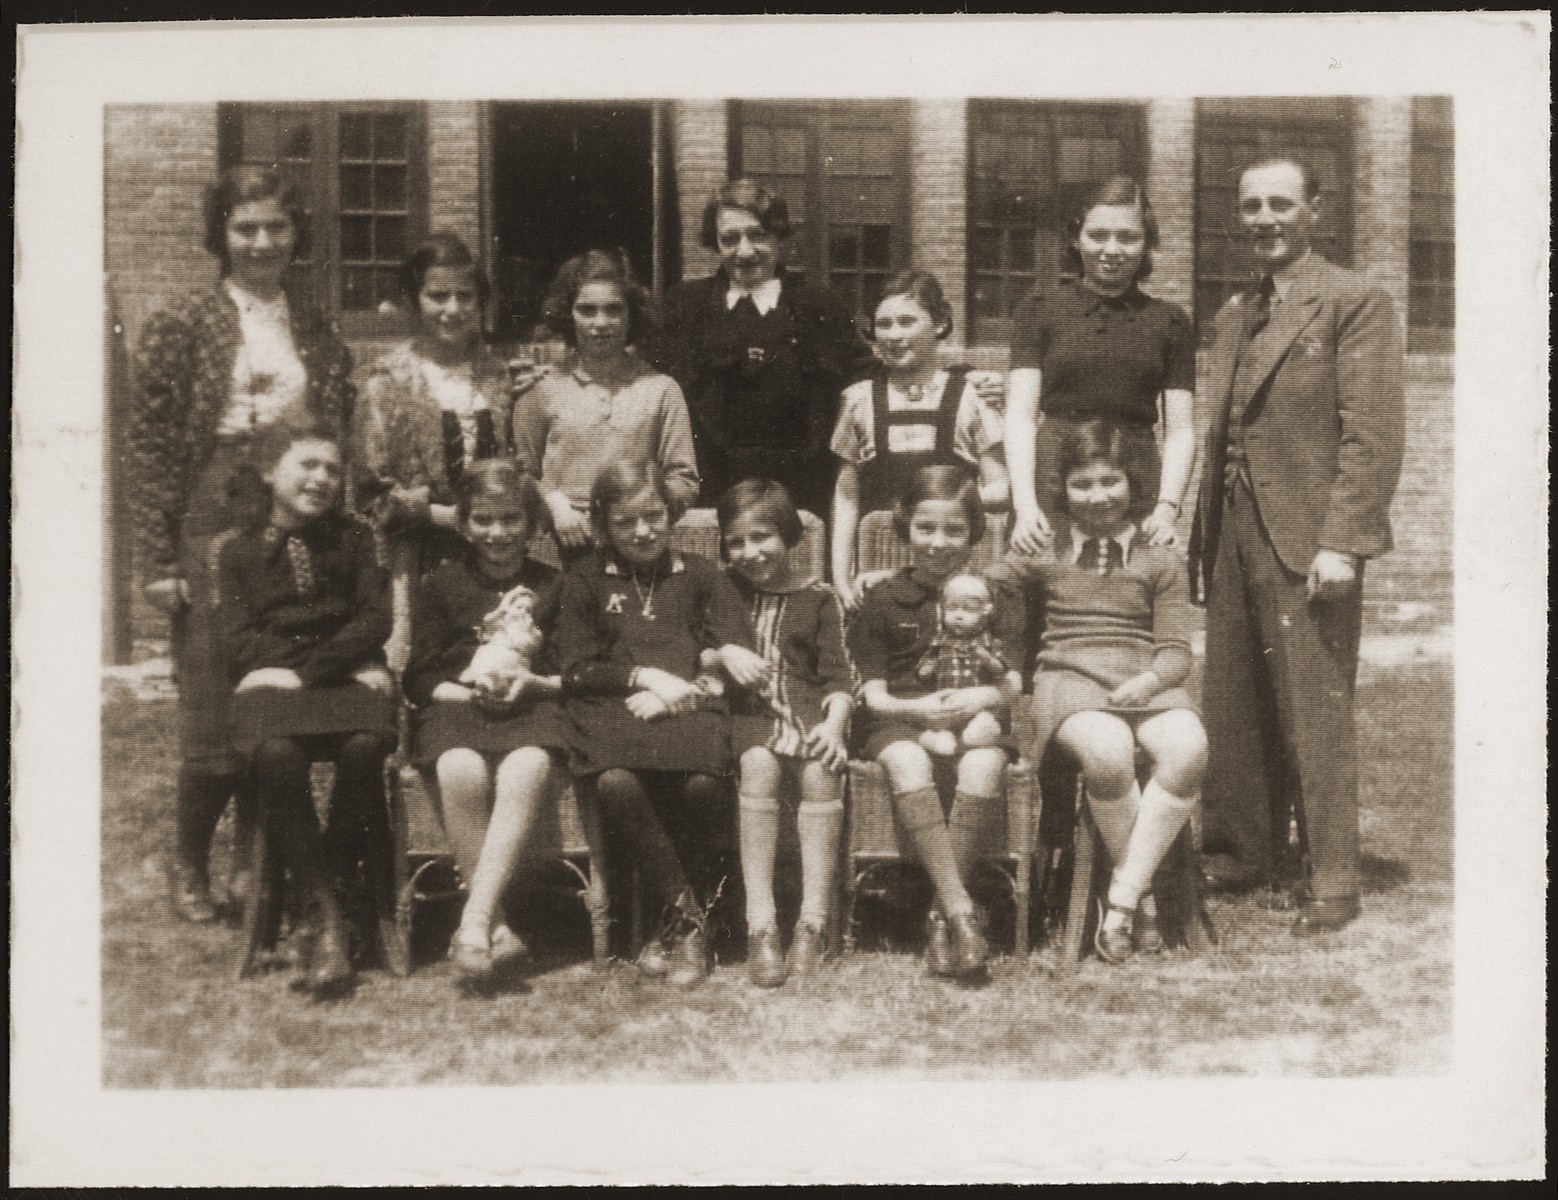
point(280, 678)
point(1160, 526)
point(571, 525)
point(868, 580)
point(990, 386)
point(522, 379)
point(1031, 532)
point(453, 693)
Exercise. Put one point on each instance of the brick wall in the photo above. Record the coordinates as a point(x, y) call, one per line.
point(454, 165)
point(700, 147)
point(1382, 193)
point(1171, 186)
point(157, 162)
point(938, 198)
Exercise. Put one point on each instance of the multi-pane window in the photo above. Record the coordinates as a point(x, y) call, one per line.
point(358, 169)
point(1233, 133)
point(1029, 165)
point(1431, 312)
point(841, 167)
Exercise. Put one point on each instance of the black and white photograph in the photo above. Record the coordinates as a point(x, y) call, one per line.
point(762, 600)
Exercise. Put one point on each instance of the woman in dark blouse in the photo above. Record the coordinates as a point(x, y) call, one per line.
point(1101, 347)
point(760, 356)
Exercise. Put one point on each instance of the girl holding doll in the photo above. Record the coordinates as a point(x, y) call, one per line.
point(940, 516)
point(651, 736)
point(605, 404)
point(498, 759)
point(1112, 664)
point(912, 414)
point(305, 615)
point(792, 727)
point(214, 369)
point(432, 407)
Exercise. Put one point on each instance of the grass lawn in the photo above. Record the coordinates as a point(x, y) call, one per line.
point(1375, 999)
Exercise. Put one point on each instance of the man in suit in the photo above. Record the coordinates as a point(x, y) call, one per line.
point(1304, 450)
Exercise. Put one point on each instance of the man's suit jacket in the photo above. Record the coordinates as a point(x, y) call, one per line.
point(1324, 439)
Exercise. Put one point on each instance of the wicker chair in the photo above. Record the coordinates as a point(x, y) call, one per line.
point(874, 839)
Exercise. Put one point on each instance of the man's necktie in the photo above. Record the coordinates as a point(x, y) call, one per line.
point(1259, 311)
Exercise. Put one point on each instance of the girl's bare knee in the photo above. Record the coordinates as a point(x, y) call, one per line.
point(1176, 743)
point(980, 771)
point(820, 785)
point(461, 765)
point(1104, 747)
point(760, 772)
point(907, 765)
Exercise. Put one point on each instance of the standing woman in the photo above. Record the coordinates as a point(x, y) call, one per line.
point(760, 356)
point(431, 407)
point(214, 369)
point(1101, 347)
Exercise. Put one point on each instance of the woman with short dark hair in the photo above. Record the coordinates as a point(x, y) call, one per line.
point(1101, 347)
point(213, 370)
point(760, 356)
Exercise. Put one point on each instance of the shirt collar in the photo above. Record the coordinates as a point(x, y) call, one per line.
point(613, 567)
point(1285, 277)
point(764, 296)
point(1123, 539)
point(1092, 301)
point(576, 368)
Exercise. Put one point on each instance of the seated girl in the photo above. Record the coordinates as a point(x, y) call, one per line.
point(792, 726)
point(940, 516)
point(1112, 664)
point(913, 414)
point(605, 404)
point(305, 614)
point(652, 742)
point(499, 758)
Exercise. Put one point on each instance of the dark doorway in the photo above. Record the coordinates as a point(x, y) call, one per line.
point(568, 177)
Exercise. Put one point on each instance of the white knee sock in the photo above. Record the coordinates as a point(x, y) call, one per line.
point(1162, 816)
point(759, 842)
point(1114, 819)
point(819, 826)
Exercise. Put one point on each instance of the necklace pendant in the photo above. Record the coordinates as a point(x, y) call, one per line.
point(647, 613)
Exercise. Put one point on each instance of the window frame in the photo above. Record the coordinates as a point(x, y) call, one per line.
point(322, 274)
point(1124, 123)
point(1271, 125)
point(814, 218)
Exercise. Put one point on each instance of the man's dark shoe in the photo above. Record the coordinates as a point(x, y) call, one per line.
point(1325, 916)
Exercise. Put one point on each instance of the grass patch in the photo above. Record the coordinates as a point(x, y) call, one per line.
point(1373, 1000)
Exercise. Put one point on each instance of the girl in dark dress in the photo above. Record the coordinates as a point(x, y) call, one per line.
point(212, 370)
point(792, 727)
point(635, 618)
point(305, 614)
point(940, 516)
point(499, 759)
point(1101, 348)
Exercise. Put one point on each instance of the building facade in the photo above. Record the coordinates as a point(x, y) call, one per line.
point(973, 190)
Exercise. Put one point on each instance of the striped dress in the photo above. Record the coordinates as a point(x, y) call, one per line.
point(801, 633)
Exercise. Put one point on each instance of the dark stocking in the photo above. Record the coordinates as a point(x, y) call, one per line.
point(629, 814)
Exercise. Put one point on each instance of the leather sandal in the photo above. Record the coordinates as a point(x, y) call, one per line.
point(1114, 945)
point(1149, 938)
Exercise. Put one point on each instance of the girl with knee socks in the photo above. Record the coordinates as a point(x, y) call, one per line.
point(651, 740)
point(498, 759)
point(940, 516)
point(305, 614)
point(1112, 662)
point(790, 723)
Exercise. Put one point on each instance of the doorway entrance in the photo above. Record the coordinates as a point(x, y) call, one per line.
point(570, 176)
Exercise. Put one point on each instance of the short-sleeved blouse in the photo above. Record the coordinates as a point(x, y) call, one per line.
point(1104, 356)
point(977, 430)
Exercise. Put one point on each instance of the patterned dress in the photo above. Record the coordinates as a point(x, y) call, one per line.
point(801, 634)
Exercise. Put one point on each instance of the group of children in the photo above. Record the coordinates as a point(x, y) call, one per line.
point(653, 679)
